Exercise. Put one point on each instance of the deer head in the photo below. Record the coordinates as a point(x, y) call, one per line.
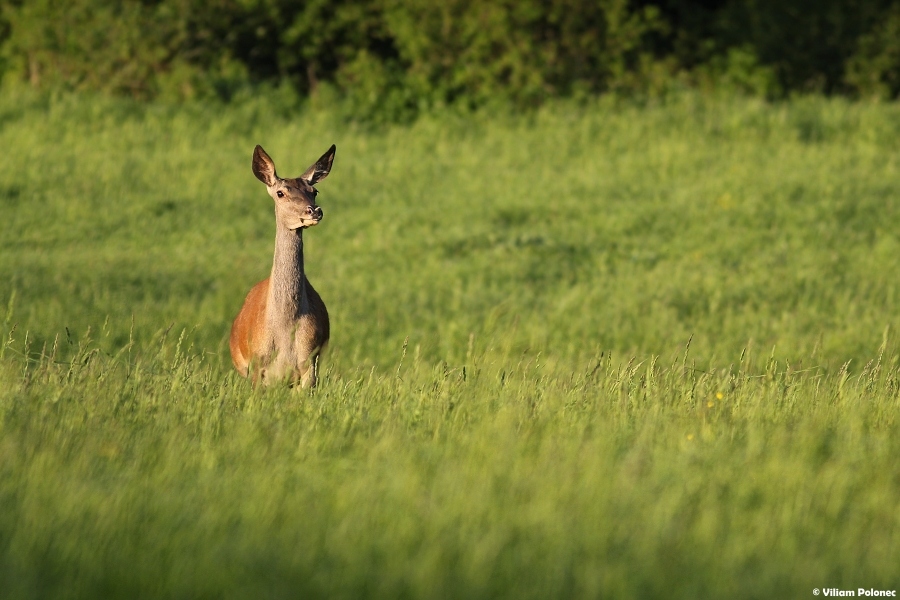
point(295, 199)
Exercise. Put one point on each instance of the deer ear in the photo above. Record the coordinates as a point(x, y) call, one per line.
point(321, 169)
point(263, 167)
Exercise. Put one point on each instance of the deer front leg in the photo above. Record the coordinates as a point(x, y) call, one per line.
point(311, 337)
point(309, 372)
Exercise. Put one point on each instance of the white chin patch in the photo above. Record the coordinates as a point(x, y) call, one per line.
point(301, 224)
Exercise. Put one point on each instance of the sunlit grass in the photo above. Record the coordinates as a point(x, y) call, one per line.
point(598, 350)
point(163, 476)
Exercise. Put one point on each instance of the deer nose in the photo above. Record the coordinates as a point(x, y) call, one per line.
point(315, 211)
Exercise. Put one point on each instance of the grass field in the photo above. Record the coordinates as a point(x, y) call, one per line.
point(597, 351)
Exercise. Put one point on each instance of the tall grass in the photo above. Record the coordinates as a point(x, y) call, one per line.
point(601, 350)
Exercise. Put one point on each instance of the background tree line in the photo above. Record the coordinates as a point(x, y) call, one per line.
point(394, 57)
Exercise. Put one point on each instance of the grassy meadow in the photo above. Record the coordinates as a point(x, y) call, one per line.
point(601, 350)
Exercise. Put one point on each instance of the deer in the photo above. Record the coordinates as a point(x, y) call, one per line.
point(283, 325)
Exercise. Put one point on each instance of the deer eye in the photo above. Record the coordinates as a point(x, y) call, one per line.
point(280, 194)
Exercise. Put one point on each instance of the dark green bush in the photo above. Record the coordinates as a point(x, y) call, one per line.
point(874, 70)
point(805, 41)
point(519, 50)
point(386, 59)
point(122, 47)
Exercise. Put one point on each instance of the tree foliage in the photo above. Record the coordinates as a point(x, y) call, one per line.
point(395, 56)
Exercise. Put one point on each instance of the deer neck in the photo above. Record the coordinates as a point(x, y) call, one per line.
point(287, 285)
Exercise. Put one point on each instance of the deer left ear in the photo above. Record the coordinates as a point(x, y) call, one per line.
point(321, 169)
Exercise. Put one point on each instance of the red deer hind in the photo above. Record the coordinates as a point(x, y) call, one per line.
point(283, 325)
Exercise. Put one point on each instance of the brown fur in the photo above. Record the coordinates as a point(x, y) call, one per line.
point(283, 325)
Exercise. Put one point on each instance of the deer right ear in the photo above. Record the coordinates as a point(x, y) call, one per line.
point(264, 167)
